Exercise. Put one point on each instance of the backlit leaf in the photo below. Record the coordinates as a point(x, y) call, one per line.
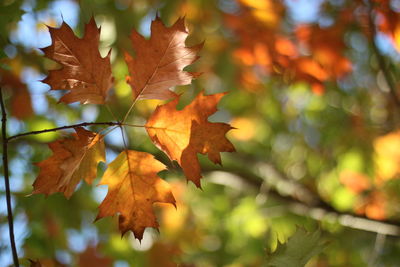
point(73, 159)
point(133, 189)
point(159, 62)
point(184, 133)
point(84, 72)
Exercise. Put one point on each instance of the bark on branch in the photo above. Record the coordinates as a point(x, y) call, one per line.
point(7, 179)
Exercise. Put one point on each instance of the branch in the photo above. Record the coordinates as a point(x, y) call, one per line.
point(7, 179)
point(381, 60)
point(64, 127)
point(298, 199)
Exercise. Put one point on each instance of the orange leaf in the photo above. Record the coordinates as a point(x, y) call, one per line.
point(73, 159)
point(133, 188)
point(159, 61)
point(84, 72)
point(184, 133)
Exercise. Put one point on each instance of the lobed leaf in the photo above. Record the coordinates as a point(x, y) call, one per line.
point(159, 61)
point(73, 159)
point(133, 189)
point(84, 72)
point(181, 134)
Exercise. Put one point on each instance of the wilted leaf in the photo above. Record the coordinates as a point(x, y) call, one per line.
point(184, 133)
point(73, 159)
point(298, 250)
point(159, 61)
point(84, 72)
point(133, 188)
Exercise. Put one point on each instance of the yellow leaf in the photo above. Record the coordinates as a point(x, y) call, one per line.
point(133, 189)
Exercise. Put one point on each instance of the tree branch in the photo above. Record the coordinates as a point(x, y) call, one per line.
point(63, 127)
point(7, 179)
point(299, 200)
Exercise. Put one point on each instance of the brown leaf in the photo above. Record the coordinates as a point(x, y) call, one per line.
point(84, 72)
point(184, 133)
point(73, 159)
point(133, 188)
point(159, 61)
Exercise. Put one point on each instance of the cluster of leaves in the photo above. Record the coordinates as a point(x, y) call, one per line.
point(132, 177)
point(312, 97)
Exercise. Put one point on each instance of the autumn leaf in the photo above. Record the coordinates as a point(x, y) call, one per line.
point(159, 61)
point(184, 133)
point(133, 188)
point(84, 72)
point(73, 159)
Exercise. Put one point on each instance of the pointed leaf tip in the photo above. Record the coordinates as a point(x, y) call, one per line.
point(181, 134)
point(152, 79)
point(84, 73)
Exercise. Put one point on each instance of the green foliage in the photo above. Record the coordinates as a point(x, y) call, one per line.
point(298, 250)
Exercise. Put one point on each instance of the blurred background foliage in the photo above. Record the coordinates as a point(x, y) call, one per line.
point(313, 95)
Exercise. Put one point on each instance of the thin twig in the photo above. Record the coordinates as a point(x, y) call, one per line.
point(63, 127)
point(7, 179)
point(381, 60)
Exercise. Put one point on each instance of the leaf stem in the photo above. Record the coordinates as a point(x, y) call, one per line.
point(130, 109)
point(111, 112)
point(7, 179)
point(133, 125)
